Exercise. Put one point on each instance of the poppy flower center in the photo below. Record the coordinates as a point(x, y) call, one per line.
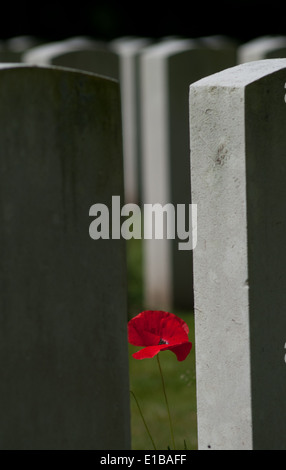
point(163, 341)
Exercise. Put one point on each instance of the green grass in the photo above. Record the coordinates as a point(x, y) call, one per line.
point(145, 380)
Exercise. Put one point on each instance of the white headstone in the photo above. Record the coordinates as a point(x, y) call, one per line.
point(238, 147)
point(77, 53)
point(167, 70)
point(63, 347)
point(266, 47)
point(129, 49)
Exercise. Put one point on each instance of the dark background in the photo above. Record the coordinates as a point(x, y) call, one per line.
point(242, 19)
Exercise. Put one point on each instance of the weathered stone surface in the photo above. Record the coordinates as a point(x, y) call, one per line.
point(238, 145)
point(63, 345)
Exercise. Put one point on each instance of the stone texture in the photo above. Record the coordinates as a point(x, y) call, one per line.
point(238, 145)
point(63, 344)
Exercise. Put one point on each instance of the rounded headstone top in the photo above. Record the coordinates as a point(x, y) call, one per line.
point(262, 48)
point(43, 53)
point(242, 75)
point(169, 47)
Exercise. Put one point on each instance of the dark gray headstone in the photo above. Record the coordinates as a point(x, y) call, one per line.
point(63, 347)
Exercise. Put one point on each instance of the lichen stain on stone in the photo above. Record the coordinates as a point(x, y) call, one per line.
point(221, 155)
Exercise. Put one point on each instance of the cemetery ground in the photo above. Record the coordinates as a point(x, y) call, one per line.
point(145, 380)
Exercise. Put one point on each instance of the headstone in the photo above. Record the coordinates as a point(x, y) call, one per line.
point(129, 49)
point(77, 53)
point(218, 40)
point(63, 348)
point(22, 43)
point(266, 47)
point(8, 55)
point(85, 41)
point(167, 70)
point(12, 49)
point(238, 146)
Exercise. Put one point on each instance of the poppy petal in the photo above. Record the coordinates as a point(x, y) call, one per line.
point(181, 350)
point(148, 352)
point(159, 331)
point(147, 326)
point(139, 336)
point(171, 325)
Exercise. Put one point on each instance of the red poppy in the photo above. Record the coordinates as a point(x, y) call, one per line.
point(159, 331)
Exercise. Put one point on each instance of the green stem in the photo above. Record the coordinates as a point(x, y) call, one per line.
point(145, 424)
point(167, 404)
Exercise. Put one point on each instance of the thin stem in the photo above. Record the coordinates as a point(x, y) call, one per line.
point(145, 424)
point(167, 404)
